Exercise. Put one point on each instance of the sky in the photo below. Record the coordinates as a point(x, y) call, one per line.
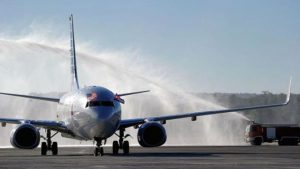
point(205, 46)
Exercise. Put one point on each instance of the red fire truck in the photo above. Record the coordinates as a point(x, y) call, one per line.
point(284, 134)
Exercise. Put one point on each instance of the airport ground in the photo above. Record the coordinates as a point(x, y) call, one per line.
point(213, 157)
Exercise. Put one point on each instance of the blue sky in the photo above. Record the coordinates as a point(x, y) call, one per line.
point(214, 45)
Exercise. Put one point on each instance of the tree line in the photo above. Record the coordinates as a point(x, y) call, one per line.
point(289, 114)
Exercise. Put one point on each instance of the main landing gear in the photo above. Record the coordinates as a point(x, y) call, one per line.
point(121, 144)
point(49, 145)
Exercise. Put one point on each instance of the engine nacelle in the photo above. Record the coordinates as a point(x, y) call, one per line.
point(25, 136)
point(151, 134)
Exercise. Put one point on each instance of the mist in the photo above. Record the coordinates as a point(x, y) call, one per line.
point(28, 67)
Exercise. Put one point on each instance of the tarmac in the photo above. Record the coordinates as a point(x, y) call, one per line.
point(224, 157)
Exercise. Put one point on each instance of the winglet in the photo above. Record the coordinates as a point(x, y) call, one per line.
point(288, 96)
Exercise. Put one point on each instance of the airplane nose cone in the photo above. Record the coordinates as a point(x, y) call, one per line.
point(102, 113)
point(102, 122)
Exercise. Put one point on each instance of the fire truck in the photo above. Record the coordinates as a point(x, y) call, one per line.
point(284, 134)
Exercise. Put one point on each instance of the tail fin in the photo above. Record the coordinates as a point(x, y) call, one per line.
point(75, 84)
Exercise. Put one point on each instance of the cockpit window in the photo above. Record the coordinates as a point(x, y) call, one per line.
point(100, 103)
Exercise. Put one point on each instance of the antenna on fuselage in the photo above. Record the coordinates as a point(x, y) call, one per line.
point(75, 84)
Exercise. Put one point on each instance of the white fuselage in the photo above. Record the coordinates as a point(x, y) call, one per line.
point(91, 112)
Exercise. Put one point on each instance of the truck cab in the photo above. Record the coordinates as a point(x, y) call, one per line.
point(254, 134)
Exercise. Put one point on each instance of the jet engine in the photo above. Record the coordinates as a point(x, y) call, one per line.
point(151, 134)
point(25, 136)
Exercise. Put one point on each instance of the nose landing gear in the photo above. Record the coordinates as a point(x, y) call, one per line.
point(49, 145)
point(117, 145)
point(99, 149)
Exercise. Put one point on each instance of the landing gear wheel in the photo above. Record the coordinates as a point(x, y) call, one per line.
point(54, 148)
point(96, 152)
point(126, 147)
point(49, 145)
point(44, 148)
point(122, 144)
point(101, 151)
point(115, 148)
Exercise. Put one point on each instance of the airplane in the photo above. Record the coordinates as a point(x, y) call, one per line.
point(94, 113)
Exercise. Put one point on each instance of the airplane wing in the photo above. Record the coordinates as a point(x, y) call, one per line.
point(57, 99)
point(118, 96)
point(33, 97)
point(46, 124)
point(53, 125)
point(133, 122)
point(127, 94)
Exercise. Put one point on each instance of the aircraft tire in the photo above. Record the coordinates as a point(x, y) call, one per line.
point(126, 147)
point(44, 148)
point(101, 151)
point(256, 142)
point(54, 148)
point(96, 152)
point(115, 148)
